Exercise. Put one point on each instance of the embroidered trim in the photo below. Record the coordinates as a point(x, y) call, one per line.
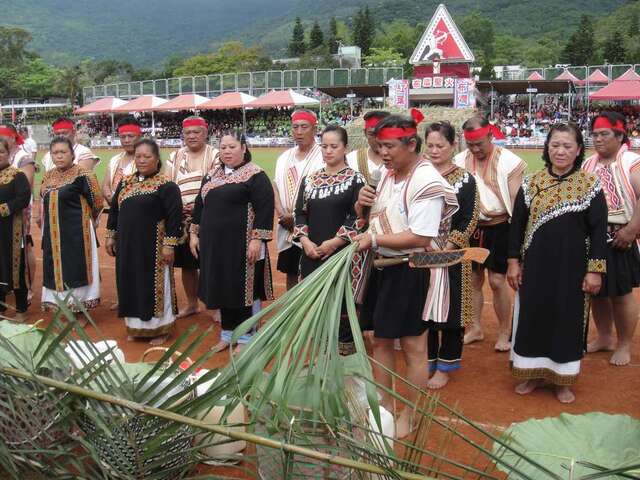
point(261, 234)
point(16, 253)
point(88, 305)
point(346, 233)
point(249, 269)
point(466, 300)
point(132, 186)
point(7, 175)
point(5, 211)
point(87, 225)
point(159, 271)
point(597, 266)
point(545, 374)
point(54, 238)
point(574, 194)
point(218, 178)
point(300, 231)
point(111, 233)
point(459, 239)
point(170, 242)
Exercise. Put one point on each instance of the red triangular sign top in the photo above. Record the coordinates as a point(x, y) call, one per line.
point(442, 40)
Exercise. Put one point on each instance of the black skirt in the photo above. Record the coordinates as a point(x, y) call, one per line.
point(623, 272)
point(395, 300)
point(289, 260)
point(494, 238)
point(184, 258)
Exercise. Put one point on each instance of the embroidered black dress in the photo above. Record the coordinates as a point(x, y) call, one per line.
point(445, 339)
point(15, 194)
point(232, 208)
point(145, 215)
point(71, 199)
point(558, 231)
point(324, 210)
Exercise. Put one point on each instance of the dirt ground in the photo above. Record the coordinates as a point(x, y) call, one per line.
point(482, 389)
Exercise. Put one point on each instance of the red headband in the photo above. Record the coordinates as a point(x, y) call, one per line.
point(195, 122)
point(130, 128)
point(63, 125)
point(604, 122)
point(306, 116)
point(372, 122)
point(9, 132)
point(390, 133)
point(477, 134)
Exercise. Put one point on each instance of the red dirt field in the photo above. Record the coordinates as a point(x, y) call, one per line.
point(482, 389)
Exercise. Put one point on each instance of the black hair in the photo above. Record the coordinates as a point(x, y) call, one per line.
point(444, 128)
point(474, 123)
point(613, 117)
point(569, 128)
point(376, 114)
point(155, 149)
point(239, 136)
point(60, 139)
point(128, 120)
point(401, 121)
point(342, 133)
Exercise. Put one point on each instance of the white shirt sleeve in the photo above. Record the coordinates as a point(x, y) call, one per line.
point(425, 216)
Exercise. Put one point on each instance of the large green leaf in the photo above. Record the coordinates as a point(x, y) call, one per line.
point(570, 443)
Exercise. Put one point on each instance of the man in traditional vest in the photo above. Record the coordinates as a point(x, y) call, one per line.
point(366, 160)
point(619, 173)
point(187, 167)
point(498, 174)
point(122, 164)
point(291, 167)
point(64, 127)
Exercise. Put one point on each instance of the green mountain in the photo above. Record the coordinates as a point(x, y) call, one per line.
point(147, 32)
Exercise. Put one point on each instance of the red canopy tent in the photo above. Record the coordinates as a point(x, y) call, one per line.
point(190, 101)
point(567, 75)
point(535, 76)
point(145, 103)
point(227, 101)
point(625, 87)
point(283, 98)
point(597, 77)
point(104, 105)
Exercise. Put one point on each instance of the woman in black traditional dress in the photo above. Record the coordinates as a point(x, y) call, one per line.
point(557, 251)
point(232, 223)
point(71, 202)
point(445, 337)
point(143, 229)
point(15, 194)
point(324, 214)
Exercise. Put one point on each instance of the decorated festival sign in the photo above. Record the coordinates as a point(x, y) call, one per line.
point(463, 96)
point(399, 93)
point(442, 42)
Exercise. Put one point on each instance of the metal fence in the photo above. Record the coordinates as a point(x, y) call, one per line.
point(582, 72)
point(253, 83)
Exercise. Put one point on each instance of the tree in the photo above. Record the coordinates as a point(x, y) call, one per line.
point(478, 31)
point(634, 24)
point(69, 82)
point(332, 40)
point(316, 37)
point(383, 57)
point(230, 57)
point(487, 71)
point(580, 48)
point(363, 30)
point(399, 36)
point(613, 48)
point(297, 46)
point(13, 43)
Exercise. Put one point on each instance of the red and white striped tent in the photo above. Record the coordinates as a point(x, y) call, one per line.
point(228, 101)
point(145, 103)
point(535, 76)
point(190, 101)
point(598, 78)
point(283, 98)
point(567, 75)
point(104, 105)
point(625, 87)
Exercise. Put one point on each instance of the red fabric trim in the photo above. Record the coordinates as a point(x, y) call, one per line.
point(603, 122)
point(195, 122)
point(372, 122)
point(8, 132)
point(477, 134)
point(135, 129)
point(390, 133)
point(305, 116)
point(497, 133)
point(63, 125)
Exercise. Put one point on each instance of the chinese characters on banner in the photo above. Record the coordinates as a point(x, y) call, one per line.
point(463, 96)
point(399, 93)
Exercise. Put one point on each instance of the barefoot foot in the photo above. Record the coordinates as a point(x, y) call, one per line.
point(131, 338)
point(404, 424)
point(565, 395)
point(621, 356)
point(188, 311)
point(473, 335)
point(601, 344)
point(113, 307)
point(220, 346)
point(215, 314)
point(529, 386)
point(439, 380)
point(503, 344)
point(20, 317)
point(159, 340)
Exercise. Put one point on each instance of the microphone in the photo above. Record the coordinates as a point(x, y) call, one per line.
point(374, 179)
